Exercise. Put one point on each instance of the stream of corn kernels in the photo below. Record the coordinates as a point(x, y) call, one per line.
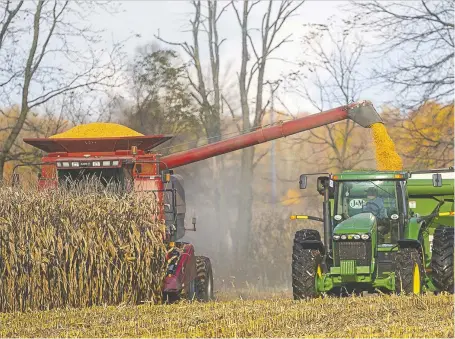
point(387, 159)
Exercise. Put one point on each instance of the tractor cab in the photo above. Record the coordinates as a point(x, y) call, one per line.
point(383, 201)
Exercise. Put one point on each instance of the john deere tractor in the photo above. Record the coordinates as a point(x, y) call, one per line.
point(383, 231)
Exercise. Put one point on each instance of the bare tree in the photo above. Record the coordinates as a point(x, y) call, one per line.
point(207, 91)
point(42, 59)
point(416, 38)
point(328, 76)
point(270, 41)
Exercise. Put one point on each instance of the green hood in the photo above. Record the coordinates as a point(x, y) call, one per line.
point(359, 223)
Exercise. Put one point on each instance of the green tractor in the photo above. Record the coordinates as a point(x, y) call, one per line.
point(383, 231)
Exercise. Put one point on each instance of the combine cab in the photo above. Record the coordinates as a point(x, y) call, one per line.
point(387, 231)
point(128, 164)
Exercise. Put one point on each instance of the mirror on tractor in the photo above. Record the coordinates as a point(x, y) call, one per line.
point(302, 181)
point(193, 221)
point(165, 176)
point(437, 180)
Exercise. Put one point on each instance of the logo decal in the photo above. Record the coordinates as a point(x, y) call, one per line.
point(356, 203)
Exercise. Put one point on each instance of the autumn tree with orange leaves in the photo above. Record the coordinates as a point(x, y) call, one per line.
point(424, 137)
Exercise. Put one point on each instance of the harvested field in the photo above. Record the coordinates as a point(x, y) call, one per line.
point(80, 249)
point(378, 317)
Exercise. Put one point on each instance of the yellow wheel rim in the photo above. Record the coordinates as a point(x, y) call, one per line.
point(416, 280)
point(319, 272)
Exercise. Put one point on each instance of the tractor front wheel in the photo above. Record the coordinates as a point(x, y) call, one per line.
point(204, 280)
point(409, 271)
point(442, 258)
point(306, 265)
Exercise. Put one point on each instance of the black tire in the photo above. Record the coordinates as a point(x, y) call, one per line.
point(305, 263)
point(409, 266)
point(204, 280)
point(442, 259)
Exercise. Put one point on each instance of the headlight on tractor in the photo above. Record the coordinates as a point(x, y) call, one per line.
point(336, 237)
point(344, 237)
point(365, 236)
point(356, 237)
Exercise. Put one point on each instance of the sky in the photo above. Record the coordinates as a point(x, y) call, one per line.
point(169, 19)
point(137, 23)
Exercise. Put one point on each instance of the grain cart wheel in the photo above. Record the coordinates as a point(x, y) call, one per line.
point(306, 265)
point(204, 280)
point(409, 271)
point(442, 258)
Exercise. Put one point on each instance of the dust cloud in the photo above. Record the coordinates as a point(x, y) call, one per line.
point(267, 265)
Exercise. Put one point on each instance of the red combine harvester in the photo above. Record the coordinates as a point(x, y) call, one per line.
point(131, 163)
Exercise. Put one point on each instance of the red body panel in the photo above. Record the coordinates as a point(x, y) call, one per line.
point(185, 270)
point(87, 145)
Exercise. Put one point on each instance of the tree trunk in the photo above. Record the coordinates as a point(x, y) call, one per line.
point(30, 68)
point(245, 202)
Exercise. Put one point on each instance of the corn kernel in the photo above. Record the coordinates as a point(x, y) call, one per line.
point(98, 130)
point(387, 159)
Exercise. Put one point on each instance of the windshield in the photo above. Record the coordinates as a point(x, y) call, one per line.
point(376, 197)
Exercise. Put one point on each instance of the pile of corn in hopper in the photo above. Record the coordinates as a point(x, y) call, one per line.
point(98, 130)
point(78, 248)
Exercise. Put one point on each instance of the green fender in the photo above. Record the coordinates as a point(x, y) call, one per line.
point(412, 229)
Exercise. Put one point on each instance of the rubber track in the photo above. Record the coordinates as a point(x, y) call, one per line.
point(442, 258)
point(304, 265)
point(405, 261)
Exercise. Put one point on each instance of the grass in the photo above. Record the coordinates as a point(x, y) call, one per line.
point(377, 316)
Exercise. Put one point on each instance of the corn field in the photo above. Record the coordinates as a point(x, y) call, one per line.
point(426, 316)
point(77, 248)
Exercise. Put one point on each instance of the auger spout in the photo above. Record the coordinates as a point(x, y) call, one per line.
point(362, 113)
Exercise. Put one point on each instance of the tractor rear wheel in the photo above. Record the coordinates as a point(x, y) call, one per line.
point(442, 259)
point(204, 280)
point(306, 265)
point(409, 271)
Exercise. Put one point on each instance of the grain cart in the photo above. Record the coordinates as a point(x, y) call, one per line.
point(131, 163)
point(388, 231)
